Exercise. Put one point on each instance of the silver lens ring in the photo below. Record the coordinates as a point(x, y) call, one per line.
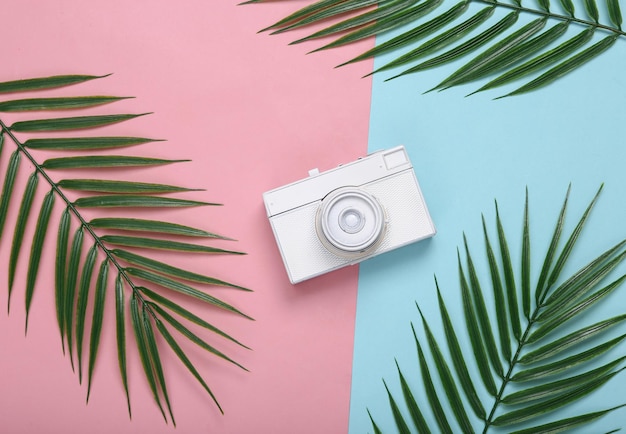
point(350, 222)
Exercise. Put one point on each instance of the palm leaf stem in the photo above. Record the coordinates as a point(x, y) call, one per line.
point(507, 377)
point(39, 169)
point(553, 15)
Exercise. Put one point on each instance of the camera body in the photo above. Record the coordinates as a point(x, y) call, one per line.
point(348, 214)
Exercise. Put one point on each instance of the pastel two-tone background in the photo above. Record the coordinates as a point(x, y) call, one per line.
point(254, 114)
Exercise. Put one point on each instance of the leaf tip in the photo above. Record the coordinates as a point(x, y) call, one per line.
point(420, 312)
point(474, 93)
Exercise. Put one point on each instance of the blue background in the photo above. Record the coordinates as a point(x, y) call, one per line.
point(468, 151)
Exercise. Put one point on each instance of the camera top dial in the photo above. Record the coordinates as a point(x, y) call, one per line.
point(350, 222)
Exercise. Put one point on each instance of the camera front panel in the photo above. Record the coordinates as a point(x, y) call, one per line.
point(408, 219)
point(301, 249)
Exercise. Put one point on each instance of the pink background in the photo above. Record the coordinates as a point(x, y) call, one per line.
point(252, 114)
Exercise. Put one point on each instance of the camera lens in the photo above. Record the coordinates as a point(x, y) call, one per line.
point(350, 222)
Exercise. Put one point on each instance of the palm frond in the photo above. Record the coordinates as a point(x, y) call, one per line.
point(497, 49)
point(82, 281)
point(542, 360)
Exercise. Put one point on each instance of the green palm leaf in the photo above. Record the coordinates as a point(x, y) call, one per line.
point(84, 143)
point(80, 291)
point(517, 53)
point(525, 278)
point(403, 428)
point(482, 314)
point(416, 414)
point(399, 24)
point(552, 404)
point(192, 336)
point(120, 328)
point(60, 271)
point(560, 345)
point(183, 357)
point(37, 248)
point(417, 33)
point(550, 367)
point(568, 5)
point(388, 22)
point(592, 10)
point(103, 161)
point(140, 225)
point(474, 334)
point(498, 292)
point(554, 368)
point(458, 360)
point(542, 60)
point(574, 288)
point(466, 47)
point(382, 11)
point(431, 392)
point(571, 311)
point(96, 323)
point(542, 288)
point(20, 227)
point(305, 12)
point(178, 309)
point(7, 187)
point(69, 291)
point(447, 380)
point(160, 244)
point(144, 352)
point(115, 201)
point(556, 387)
point(155, 360)
point(81, 306)
point(182, 288)
point(43, 83)
point(378, 431)
point(170, 271)
point(567, 66)
point(509, 279)
point(33, 104)
point(566, 424)
point(615, 13)
point(74, 123)
point(443, 40)
point(108, 186)
point(320, 13)
point(490, 56)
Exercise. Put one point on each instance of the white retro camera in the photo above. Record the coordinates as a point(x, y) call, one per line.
point(348, 214)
